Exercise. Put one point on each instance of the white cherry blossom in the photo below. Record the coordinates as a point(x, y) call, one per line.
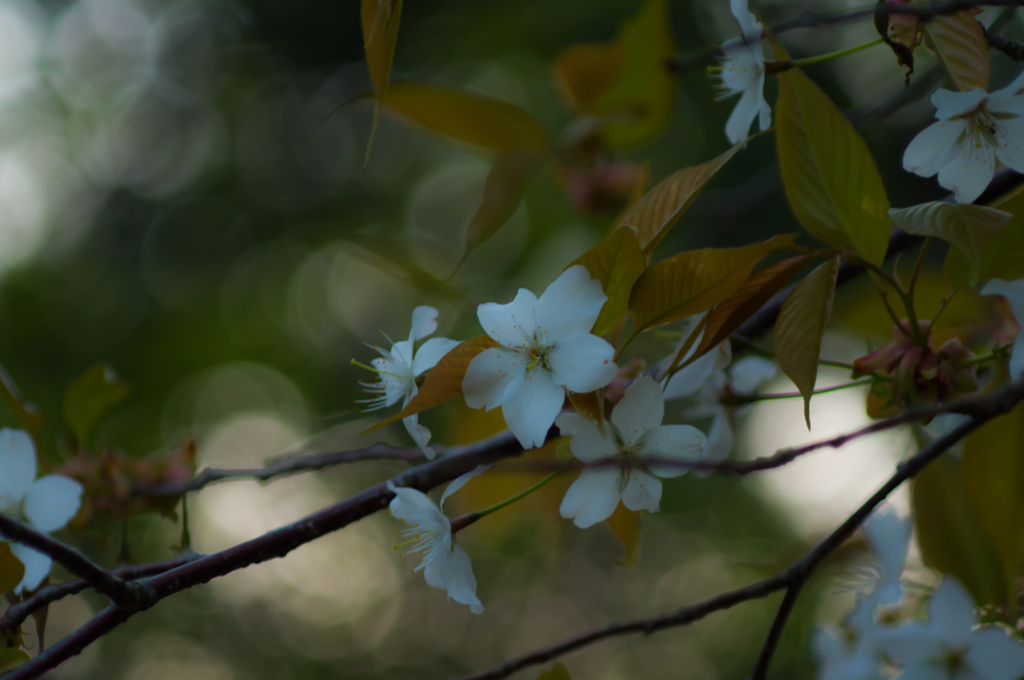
point(974, 129)
point(845, 656)
point(742, 72)
point(402, 364)
point(545, 346)
point(46, 504)
point(634, 435)
point(888, 535)
point(950, 646)
point(1013, 291)
point(445, 563)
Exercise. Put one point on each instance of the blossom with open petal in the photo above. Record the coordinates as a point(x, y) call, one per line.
point(950, 646)
point(888, 535)
point(545, 346)
point(974, 129)
point(1013, 291)
point(402, 364)
point(623, 451)
point(444, 563)
point(844, 657)
point(742, 72)
point(46, 504)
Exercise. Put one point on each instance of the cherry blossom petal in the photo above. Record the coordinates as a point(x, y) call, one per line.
point(592, 498)
point(1009, 137)
point(952, 612)
point(461, 480)
point(970, 171)
point(413, 507)
point(749, 26)
point(510, 324)
point(673, 442)
point(749, 373)
point(765, 109)
point(37, 567)
point(582, 362)
point(1017, 358)
point(571, 303)
point(889, 537)
point(430, 353)
point(642, 492)
point(457, 575)
point(424, 322)
point(737, 128)
point(420, 434)
point(51, 502)
point(532, 410)
point(949, 104)
point(587, 443)
point(642, 408)
point(492, 376)
point(17, 464)
point(995, 655)
point(1013, 291)
point(720, 440)
point(925, 672)
point(932, 147)
point(691, 378)
point(912, 645)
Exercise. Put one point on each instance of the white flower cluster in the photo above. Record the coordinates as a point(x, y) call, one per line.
point(949, 645)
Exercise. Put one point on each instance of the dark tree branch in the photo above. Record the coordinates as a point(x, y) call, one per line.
point(794, 577)
point(1010, 48)
point(117, 589)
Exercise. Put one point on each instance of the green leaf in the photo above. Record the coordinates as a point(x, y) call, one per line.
point(27, 414)
point(443, 382)
point(624, 84)
point(11, 569)
point(1003, 255)
point(90, 397)
point(828, 173)
point(950, 534)
point(695, 281)
point(798, 330)
point(504, 188)
point(617, 262)
point(961, 46)
point(761, 287)
point(11, 658)
point(468, 116)
point(966, 226)
point(556, 672)
point(993, 470)
point(654, 214)
point(380, 20)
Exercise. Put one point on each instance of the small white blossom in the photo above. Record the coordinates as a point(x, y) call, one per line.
point(950, 646)
point(742, 72)
point(545, 346)
point(402, 364)
point(888, 535)
point(1013, 291)
point(974, 129)
point(45, 504)
point(843, 655)
point(444, 564)
point(634, 435)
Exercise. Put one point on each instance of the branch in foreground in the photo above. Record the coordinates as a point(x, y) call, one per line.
point(796, 575)
point(18, 613)
point(117, 589)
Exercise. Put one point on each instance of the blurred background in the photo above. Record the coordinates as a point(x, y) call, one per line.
point(183, 195)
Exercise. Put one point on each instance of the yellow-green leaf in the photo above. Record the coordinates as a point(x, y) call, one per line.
point(695, 281)
point(467, 116)
point(993, 469)
point(506, 183)
point(802, 319)
point(761, 287)
point(556, 672)
point(654, 214)
point(11, 658)
point(830, 178)
point(624, 84)
point(380, 32)
point(960, 45)
point(11, 569)
point(443, 382)
point(1003, 256)
point(27, 414)
point(627, 526)
point(617, 263)
point(90, 397)
point(966, 226)
point(951, 535)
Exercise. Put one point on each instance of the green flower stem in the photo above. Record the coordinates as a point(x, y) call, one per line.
point(1000, 352)
point(460, 523)
point(906, 298)
point(630, 339)
point(757, 349)
point(739, 399)
point(835, 55)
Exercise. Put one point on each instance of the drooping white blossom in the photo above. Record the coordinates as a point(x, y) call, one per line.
point(888, 535)
point(402, 364)
point(445, 563)
point(545, 346)
point(618, 456)
point(950, 646)
point(1013, 291)
point(46, 504)
point(742, 73)
point(974, 129)
point(845, 657)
